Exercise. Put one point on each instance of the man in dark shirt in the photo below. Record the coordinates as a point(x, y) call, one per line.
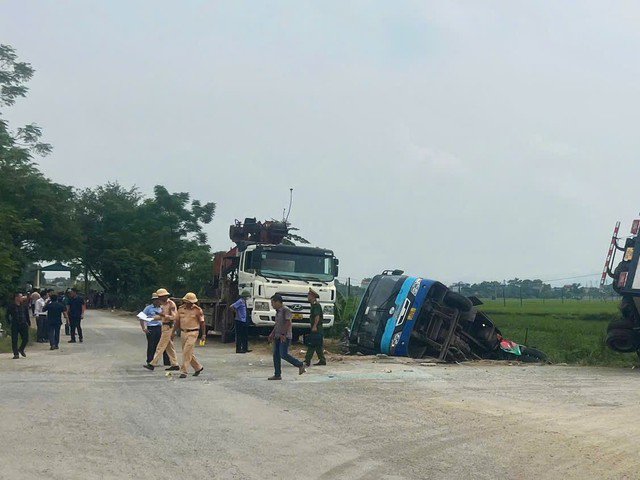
point(75, 313)
point(18, 315)
point(281, 336)
point(55, 309)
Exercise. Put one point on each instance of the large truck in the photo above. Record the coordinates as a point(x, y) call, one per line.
point(264, 263)
point(623, 333)
point(409, 316)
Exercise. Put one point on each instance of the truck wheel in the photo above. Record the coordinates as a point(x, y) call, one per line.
point(621, 324)
point(455, 300)
point(622, 340)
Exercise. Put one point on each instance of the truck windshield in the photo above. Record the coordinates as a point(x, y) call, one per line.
point(297, 266)
point(374, 310)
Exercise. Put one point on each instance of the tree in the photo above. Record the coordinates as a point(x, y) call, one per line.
point(35, 218)
point(133, 245)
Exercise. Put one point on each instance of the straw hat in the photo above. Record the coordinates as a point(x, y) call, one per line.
point(190, 297)
point(162, 292)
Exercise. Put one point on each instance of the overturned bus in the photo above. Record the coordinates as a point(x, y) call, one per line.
point(401, 315)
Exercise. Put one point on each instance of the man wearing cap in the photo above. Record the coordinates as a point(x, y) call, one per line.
point(191, 322)
point(239, 308)
point(281, 336)
point(167, 316)
point(316, 338)
point(153, 328)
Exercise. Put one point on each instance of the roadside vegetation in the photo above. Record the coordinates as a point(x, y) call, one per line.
point(572, 331)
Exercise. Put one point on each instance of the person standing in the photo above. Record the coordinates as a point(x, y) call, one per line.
point(239, 308)
point(75, 313)
point(55, 309)
point(64, 298)
point(41, 317)
point(281, 337)
point(167, 316)
point(153, 328)
point(315, 343)
point(191, 322)
point(18, 316)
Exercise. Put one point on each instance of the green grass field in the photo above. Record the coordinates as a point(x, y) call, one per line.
point(571, 332)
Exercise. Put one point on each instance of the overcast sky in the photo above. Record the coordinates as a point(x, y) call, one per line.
point(454, 140)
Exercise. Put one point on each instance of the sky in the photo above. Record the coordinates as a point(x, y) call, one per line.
point(475, 140)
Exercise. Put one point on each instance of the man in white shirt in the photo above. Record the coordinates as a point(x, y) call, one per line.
point(41, 318)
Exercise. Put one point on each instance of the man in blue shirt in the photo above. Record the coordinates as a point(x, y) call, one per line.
point(55, 310)
point(242, 325)
point(153, 329)
point(75, 313)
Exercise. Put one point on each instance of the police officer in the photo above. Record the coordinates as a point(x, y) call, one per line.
point(167, 316)
point(316, 338)
point(191, 322)
point(153, 329)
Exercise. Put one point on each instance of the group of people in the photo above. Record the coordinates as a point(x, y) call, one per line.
point(48, 310)
point(162, 319)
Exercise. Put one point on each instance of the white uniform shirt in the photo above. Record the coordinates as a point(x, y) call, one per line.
point(39, 306)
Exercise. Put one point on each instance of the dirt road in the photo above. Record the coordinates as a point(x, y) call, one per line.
point(90, 411)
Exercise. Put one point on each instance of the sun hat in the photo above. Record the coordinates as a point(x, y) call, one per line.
point(162, 292)
point(190, 297)
point(154, 296)
point(245, 294)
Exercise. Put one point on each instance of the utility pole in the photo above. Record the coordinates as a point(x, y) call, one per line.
point(504, 298)
point(348, 287)
point(521, 294)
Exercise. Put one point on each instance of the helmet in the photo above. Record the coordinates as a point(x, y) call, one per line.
point(190, 297)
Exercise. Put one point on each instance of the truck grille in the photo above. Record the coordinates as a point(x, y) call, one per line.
point(297, 303)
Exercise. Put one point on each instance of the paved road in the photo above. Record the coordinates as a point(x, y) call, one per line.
point(90, 411)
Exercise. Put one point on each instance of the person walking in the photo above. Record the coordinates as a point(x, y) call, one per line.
point(167, 316)
point(191, 322)
point(281, 337)
point(239, 308)
point(54, 309)
point(315, 339)
point(75, 313)
point(18, 316)
point(153, 328)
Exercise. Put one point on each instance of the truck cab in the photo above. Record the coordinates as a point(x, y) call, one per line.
point(289, 270)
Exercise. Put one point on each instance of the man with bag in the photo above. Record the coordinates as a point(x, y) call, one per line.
point(167, 316)
point(315, 339)
point(152, 327)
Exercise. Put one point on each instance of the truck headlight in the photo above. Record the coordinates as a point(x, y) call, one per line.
point(261, 306)
point(395, 339)
point(327, 310)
